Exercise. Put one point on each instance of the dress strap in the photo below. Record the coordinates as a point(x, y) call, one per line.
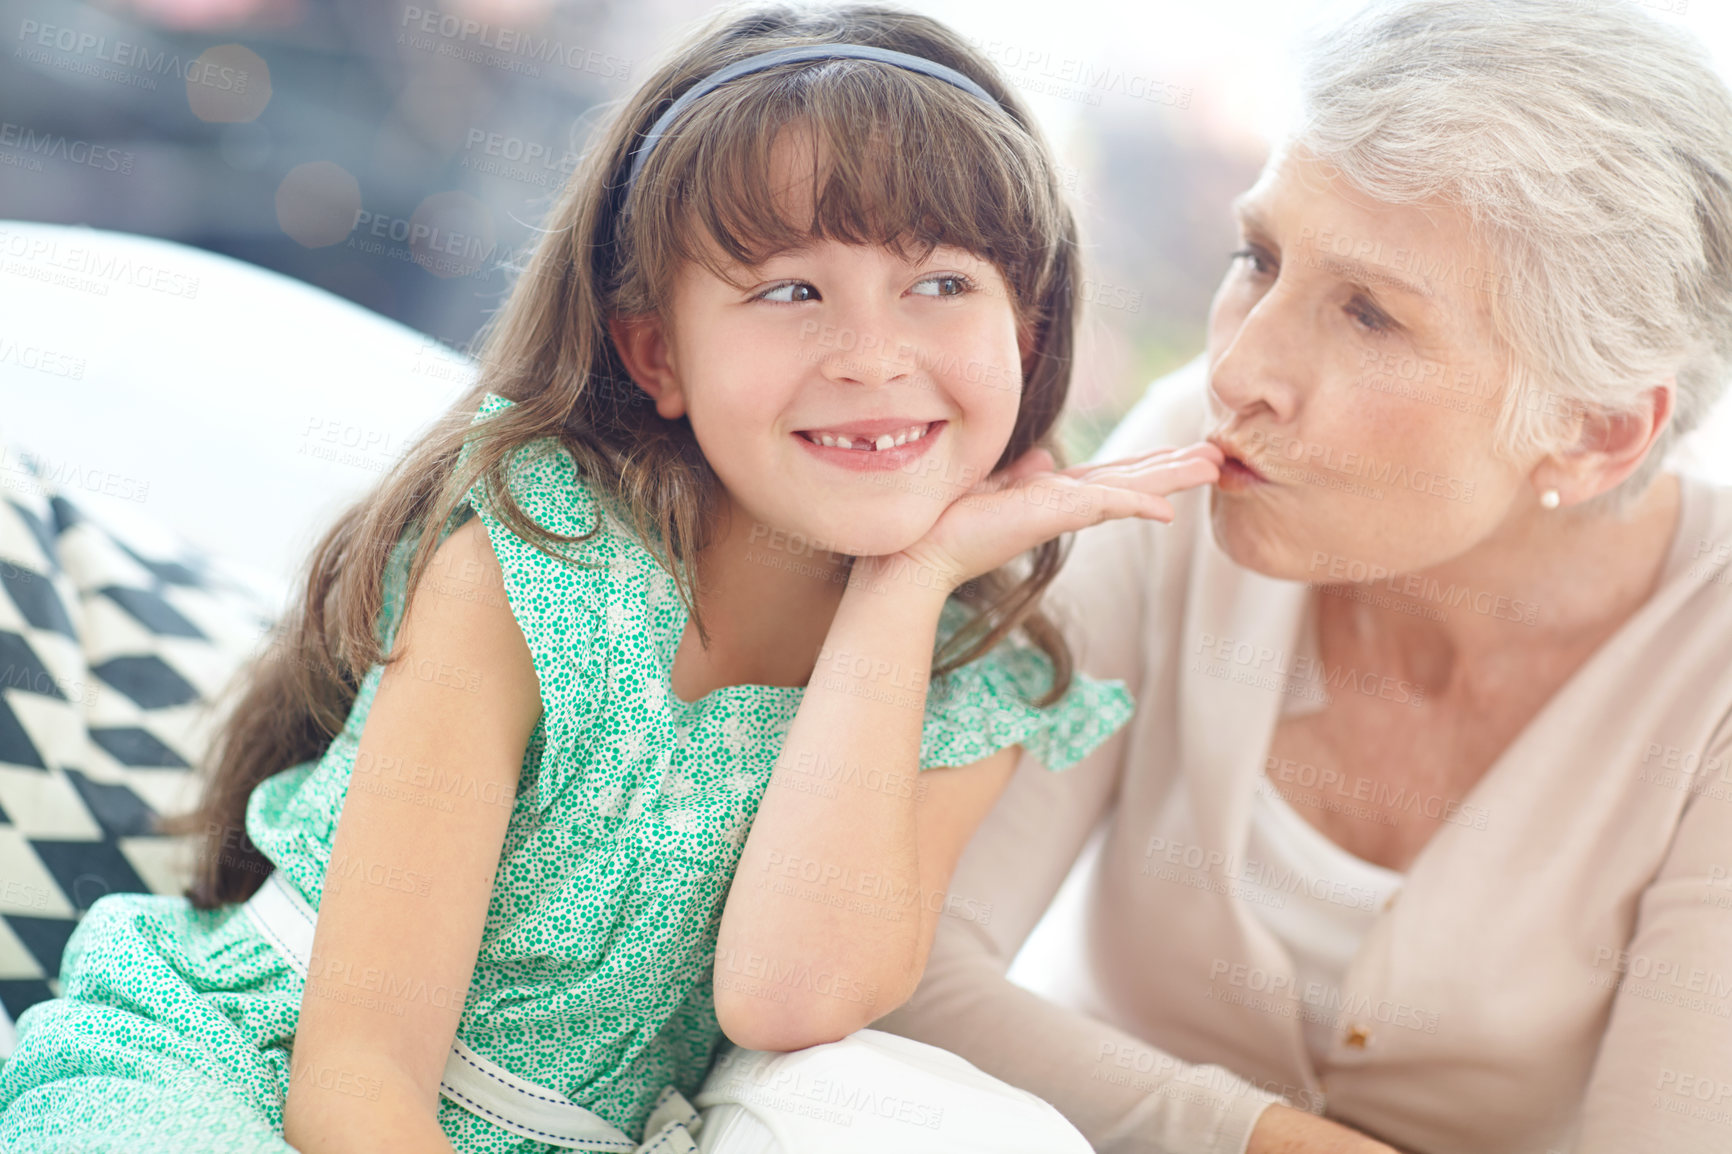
point(476, 1082)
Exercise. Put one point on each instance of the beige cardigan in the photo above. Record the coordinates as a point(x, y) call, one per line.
point(1555, 976)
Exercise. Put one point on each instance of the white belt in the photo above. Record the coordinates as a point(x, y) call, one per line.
point(474, 1081)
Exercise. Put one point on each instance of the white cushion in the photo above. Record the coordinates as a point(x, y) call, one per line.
point(236, 406)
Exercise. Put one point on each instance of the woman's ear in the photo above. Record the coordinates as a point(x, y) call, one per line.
point(1610, 447)
point(647, 354)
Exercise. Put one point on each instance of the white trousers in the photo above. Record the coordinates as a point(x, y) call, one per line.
point(870, 1093)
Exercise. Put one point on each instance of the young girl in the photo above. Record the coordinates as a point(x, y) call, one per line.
point(758, 454)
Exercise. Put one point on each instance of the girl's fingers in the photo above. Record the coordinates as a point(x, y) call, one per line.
point(1041, 508)
point(1159, 508)
point(1201, 450)
point(1038, 460)
point(1163, 477)
point(1112, 504)
point(1167, 452)
point(1028, 501)
point(1206, 455)
point(1092, 504)
point(1121, 494)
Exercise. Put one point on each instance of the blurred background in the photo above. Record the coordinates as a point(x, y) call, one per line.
point(316, 138)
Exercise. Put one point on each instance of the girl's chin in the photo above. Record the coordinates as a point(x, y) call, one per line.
point(849, 532)
point(880, 544)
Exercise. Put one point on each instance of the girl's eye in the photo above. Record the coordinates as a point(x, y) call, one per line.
point(949, 285)
point(794, 292)
point(1369, 316)
point(1256, 258)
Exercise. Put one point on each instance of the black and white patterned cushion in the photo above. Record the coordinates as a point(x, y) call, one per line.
point(112, 653)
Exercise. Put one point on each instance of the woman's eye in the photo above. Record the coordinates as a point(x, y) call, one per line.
point(948, 285)
point(793, 292)
point(1256, 259)
point(1368, 315)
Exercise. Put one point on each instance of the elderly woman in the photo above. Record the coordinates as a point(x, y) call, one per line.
point(1422, 834)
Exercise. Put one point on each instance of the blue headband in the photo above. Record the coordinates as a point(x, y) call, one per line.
point(790, 56)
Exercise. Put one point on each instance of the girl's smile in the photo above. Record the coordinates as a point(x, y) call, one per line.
point(890, 443)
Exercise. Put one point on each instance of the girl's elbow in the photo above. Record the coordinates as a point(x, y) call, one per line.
point(762, 1022)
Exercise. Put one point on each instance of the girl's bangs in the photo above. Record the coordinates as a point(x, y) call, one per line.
point(901, 160)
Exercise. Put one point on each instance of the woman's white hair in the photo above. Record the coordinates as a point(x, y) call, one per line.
point(1591, 147)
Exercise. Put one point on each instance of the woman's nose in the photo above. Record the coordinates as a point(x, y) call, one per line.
point(1266, 361)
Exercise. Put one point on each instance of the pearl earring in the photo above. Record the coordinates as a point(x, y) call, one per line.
point(1550, 499)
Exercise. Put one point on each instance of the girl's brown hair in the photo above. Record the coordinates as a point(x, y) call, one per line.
point(904, 160)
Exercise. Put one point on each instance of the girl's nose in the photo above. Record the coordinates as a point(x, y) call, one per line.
point(867, 352)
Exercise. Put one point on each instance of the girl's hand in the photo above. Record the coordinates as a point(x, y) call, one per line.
point(1028, 503)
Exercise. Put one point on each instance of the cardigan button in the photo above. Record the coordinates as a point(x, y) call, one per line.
point(1357, 1036)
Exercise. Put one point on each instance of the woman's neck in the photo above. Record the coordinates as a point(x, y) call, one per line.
point(1547, 580)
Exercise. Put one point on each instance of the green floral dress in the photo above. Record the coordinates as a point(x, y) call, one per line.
point(597, 958)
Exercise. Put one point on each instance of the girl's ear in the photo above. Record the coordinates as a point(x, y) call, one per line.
point(647, 355)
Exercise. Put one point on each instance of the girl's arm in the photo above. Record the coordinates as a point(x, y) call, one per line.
point(412, 864)
point(827, 923)
point(840, 883)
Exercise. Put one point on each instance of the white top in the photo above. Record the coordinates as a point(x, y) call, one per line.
point(1317, 899)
